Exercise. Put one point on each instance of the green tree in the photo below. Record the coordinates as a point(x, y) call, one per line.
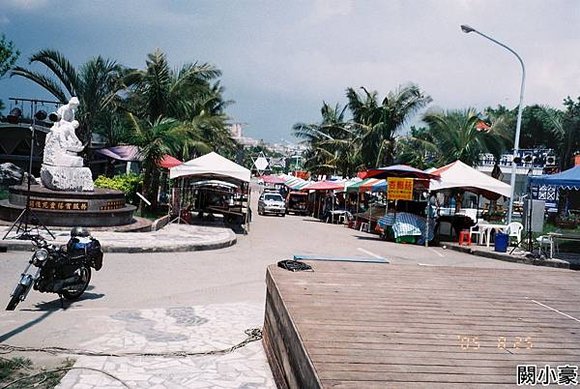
point(332, 145)
point(566, 131)
point(416, 149)
point(155, 140)
point(378, 123)
point(95, 83)
point(458, 134)
point(187, 95)
point(8, 56)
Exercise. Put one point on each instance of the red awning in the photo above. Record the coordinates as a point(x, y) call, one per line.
point(325, 185)
point(168, 162)
point(270, 179)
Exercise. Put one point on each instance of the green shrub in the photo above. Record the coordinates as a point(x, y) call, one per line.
point(127, 183)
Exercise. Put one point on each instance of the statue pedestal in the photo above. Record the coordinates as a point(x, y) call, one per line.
point(75, 179)
point(100, 208)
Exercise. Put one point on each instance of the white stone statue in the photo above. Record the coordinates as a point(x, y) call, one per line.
point(62, 168)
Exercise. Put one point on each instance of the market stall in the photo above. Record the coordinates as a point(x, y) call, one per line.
point(213, 166)
point(458, 178)
point(324, 205)
point(562, 189)
point(404, 188)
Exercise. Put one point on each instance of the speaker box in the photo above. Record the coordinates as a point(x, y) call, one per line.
point(534, 215)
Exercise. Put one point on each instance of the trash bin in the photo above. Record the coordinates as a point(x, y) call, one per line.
point(501, 242)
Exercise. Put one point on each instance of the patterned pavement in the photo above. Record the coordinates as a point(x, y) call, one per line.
point(187, 329)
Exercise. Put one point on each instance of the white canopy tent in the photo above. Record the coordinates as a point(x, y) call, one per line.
point(460, 175)
point(211, 166)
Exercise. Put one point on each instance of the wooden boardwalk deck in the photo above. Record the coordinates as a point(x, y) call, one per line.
point(364, 325)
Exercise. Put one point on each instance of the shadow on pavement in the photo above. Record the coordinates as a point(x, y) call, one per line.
point(26, 326)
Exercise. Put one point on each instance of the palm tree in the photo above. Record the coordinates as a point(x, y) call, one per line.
point(416, 149)
point(566, 131)
point(378, 123)
point(459, 135)
point(159, 91)
point(186, 95)
point(155, 140)
point(95, 83)
point(332, 143)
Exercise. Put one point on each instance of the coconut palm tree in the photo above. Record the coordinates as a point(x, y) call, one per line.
point(332, 144)
point(95, 83)
point(416, 149)
point(159, 91)
point(566, 131)
point(155, 140)
point(461, 134)
point(377, 123)
point(187, 95)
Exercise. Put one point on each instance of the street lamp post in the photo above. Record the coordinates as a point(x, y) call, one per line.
point(467, 29)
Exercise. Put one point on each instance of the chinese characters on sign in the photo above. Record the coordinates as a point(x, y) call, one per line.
point(532, 375)
point(113, 204)
point(399, 188)
point(59, 205)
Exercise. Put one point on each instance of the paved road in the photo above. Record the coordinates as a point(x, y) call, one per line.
point(141, 293)
point(232, 274)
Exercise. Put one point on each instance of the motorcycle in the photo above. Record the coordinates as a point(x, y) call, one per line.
point(65, 270)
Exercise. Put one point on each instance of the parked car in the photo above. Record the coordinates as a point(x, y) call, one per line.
point(270, 202)
point(297, 203)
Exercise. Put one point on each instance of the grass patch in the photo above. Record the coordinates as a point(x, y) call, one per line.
point(3, 194)
point(21, 373)
point(11, 366)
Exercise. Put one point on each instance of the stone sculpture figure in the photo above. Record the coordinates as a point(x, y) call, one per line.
point(62, 168)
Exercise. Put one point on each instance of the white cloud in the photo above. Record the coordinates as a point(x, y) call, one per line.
point(327, 9)
point(288, 54)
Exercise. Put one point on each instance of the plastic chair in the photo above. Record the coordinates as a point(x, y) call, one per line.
point(514, 230)
point(551, 245)
point(477, 232)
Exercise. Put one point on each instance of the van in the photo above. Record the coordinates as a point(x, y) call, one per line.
point(297, 203)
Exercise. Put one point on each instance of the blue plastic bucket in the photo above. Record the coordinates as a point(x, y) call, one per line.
point(501, 242)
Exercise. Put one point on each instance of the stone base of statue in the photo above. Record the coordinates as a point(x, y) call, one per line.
point(76, 179)
point(100, 208)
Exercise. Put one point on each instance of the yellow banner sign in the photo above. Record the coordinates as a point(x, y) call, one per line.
point(399, 188)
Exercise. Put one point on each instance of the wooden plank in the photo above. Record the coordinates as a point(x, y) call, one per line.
point(371, 325)
point(291, 366)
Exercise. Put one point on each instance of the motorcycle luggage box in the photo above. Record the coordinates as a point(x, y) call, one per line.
point(91, 248)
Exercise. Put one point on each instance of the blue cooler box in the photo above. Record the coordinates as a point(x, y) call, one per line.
point(501, 242)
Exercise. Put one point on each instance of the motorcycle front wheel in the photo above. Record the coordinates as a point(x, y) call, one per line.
point(74, 292)
point(18, 291)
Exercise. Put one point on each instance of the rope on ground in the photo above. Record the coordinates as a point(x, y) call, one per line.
point(60, 370)
point(253, 335)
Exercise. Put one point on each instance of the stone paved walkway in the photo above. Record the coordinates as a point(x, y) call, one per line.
point(190, 329)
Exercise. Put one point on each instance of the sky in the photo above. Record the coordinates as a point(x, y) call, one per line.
point(281, 59)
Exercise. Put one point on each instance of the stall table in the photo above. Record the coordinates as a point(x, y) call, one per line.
point(554, 237)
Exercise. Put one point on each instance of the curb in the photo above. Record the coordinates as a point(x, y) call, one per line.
point(172, 248)
point(183, 246)
point(508, 258)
